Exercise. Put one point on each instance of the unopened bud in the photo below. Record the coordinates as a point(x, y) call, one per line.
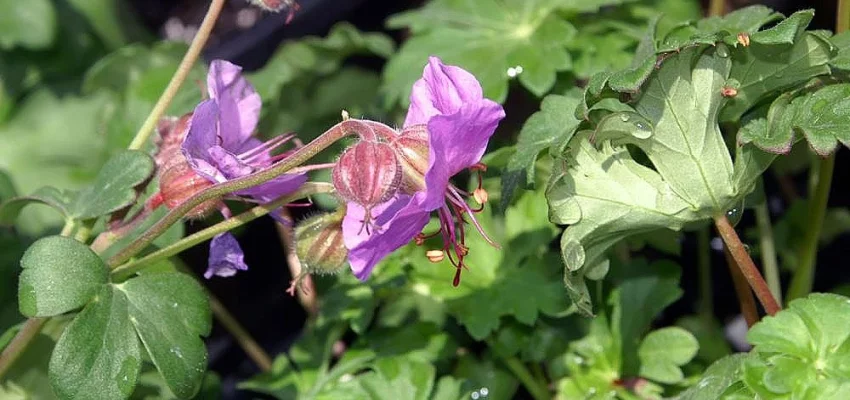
point(367, 174)
point(744, 39)
point(727, 91)
point(435, 256)
point(319, 244)
point(481, 196)
point(177, 180)
point(412, 148)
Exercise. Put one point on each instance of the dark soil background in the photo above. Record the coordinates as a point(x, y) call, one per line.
point(249, 37)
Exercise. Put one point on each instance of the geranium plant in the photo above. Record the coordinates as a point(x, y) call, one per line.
point(453, 245)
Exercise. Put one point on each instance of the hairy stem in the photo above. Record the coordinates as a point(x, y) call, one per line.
point(306, 290)
point(127, 270)
point(706, 295)
point(745, 264)
point(768, 251)
point(177, 79)
point(297, 158)
point(20, 342)
point(745, 297)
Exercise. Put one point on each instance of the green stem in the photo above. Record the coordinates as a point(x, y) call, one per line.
point(706, 295)
point(768, 251)
point(801, 282)
point(745, 264)
point(179, 76)
point(716, 8)
point(68, 228)
point(297, 158)
point(127, 270)
point(17, 346)
point(537, 390)
point(246, 342)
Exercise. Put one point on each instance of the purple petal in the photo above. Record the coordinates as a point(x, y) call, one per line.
point(226, 257)
point(202, 136)
point(396, 222)
point(228, 164)
point(457, 141)
point(239, 103)
point(443, 89)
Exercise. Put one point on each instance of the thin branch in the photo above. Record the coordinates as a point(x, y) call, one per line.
point(17, 346)
point(745, 264)
point(177, 79)
point(745, 297)
point(768, 251)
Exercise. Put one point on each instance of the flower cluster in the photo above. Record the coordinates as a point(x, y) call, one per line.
point(446, 131)
point(391, 180)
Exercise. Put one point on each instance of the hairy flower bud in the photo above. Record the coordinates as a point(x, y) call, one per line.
point(177, 180)
point(412, 149)
point(367, 174)
point(319, 244)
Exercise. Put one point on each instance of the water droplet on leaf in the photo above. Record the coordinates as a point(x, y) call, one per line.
point(722, 50)
point(624, 117)
point(735, 213)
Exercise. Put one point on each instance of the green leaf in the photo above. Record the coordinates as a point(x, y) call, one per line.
point(821, 116)
point(108, 20)
point(29, 379)
point(170, 312)
point(316, 56)
point(486, 37)
point(98, 355)
point(841, 60)
point(761, 70)
point(114, 187)
point(662, 352)
point(399, 378)
point(786, 31)
point(716, 379)
point(554, 123)
point(53, 142)
point(59, 275)
point(420, 341)
point(30, 24)
point(59, 200)
point(802, 347)
point(747, 19)
point(709, 333)
point(486, 373)
point(495, 282)
point(351, 301)
point(645, 291)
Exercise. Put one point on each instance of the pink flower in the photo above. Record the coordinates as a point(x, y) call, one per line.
point(449, 117)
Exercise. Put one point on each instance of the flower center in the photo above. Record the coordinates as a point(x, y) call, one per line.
point(453, 224)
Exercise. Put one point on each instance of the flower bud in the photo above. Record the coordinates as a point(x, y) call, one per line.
point(412, 148)
point(319, 244)
point(177, 180)
point(277, 6)
point(367, 174)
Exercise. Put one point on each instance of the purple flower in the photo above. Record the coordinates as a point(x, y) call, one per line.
point(220, 146)
point(226, 257)
point(458, 121)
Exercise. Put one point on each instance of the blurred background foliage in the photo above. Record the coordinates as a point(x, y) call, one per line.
point(78, 77)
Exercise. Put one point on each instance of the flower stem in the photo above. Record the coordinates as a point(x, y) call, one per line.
point(716, 8)
point(804, 274)
point(745, 296)
point(177, 79)
point(246, 342)
point(127, 270)
point(706, 296)
point(297, 158)
point(536, 389)
point(20, 342)
point(745, 264)
point(768, 251)
point(306, 292)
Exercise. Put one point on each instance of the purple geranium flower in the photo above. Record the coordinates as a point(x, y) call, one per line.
point(220, 146)
point(448, 112)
